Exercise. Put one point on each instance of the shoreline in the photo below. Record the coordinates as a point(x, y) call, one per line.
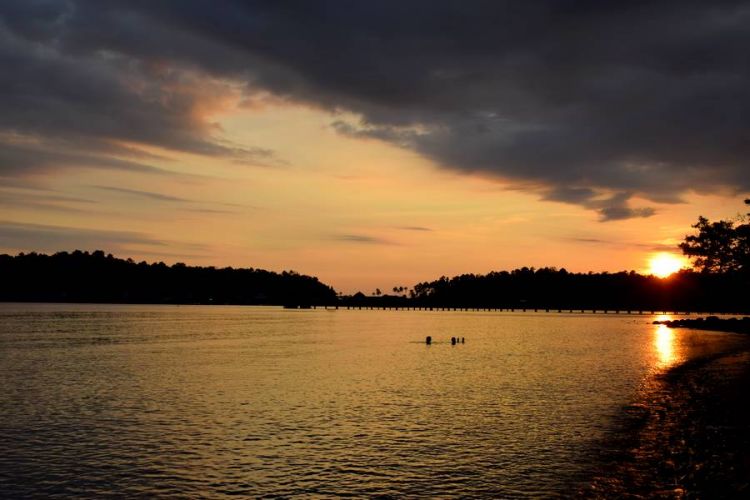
point(687, 435)
point(711, 323)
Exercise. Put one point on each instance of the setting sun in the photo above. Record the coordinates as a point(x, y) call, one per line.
point(664, 264)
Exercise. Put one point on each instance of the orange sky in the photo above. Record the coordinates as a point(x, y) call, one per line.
point(357, 213)
point(371, 144)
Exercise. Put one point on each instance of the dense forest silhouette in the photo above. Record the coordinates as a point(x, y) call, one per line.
point(549, 288)
point(720, 282)
point(720, 252)
point(95, 277)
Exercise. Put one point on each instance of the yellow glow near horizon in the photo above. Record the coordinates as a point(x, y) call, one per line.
point(357, 213)
point(665, 264)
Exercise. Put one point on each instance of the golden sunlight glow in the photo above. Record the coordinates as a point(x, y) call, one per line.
point(663, 317)
point(665, 264)
point(664, 343)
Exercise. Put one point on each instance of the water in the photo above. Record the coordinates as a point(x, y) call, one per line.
point(216, 401)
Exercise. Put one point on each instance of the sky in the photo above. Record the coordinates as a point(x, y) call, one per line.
point(371, 144)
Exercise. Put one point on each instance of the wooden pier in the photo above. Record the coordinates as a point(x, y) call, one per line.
point(545, 310)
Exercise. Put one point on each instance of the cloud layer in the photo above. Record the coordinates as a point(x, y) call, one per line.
point(590, 103)
point(52, 238)
point(45, 238)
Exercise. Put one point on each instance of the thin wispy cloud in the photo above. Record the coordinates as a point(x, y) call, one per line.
point(161, 197)
point(18, 236)
point(44, 201)
point(360, 238)
point(175, 255)
point(20, 194)
point(43, 207)
point(211, 211)
point(144, 194)
point(653, 247)
point(40, 237)
point(39, 156)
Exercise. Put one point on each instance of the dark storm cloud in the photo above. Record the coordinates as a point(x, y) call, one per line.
point(624, 212)
point(579, 101)
point(63, 107)
point(614, 207)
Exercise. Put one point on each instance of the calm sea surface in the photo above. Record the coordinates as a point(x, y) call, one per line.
point(186, 401)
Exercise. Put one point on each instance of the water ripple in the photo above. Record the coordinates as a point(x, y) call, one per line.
point(164, 401)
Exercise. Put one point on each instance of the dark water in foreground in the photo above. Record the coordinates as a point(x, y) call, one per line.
point(214, 401)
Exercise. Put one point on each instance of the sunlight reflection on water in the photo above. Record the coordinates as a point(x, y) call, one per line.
point(215, 401)
point(664, 341)
point(666, 345)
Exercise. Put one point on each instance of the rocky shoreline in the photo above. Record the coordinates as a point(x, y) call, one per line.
point(688, 435)
point(713, 323)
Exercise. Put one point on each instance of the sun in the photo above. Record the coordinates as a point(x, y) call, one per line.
point(664, 264)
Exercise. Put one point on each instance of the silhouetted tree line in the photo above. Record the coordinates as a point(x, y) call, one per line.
point(720, 252)
point(720, 247)
point(96, 277)
point(558, 289)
